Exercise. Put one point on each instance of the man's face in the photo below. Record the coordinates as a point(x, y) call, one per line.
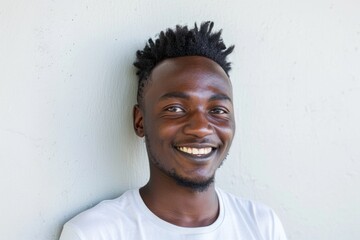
point(187, 119)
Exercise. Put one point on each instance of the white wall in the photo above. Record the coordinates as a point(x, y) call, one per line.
point(67, 87)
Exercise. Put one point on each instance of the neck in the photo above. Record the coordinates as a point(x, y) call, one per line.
point(180, 205)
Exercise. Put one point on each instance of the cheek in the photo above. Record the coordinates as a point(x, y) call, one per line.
point(160, 130)
point(227, 132)
point(166, 136)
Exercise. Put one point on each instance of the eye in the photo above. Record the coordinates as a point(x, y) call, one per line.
point(219, 110)
point(174, 109)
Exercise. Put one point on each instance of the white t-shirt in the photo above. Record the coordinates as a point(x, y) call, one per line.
point(127, 217)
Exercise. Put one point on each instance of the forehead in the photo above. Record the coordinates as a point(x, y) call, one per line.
point(190, 74)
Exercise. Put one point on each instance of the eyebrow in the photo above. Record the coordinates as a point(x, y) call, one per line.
point(220, 97)
point(182, 95)
point(174, 95)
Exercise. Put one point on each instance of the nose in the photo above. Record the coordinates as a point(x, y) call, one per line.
point(198, 125)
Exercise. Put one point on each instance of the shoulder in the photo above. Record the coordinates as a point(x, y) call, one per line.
point(102, 217)
point(107, 210)
point(252, 208)
point(257, 215)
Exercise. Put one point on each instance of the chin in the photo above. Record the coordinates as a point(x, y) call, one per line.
point(198, 185)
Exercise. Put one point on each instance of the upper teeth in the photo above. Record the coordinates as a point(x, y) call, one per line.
point(196, 151)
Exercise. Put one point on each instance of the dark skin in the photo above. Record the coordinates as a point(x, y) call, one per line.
point(187, 119)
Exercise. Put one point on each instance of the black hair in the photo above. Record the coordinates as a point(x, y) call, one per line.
point(178, 43)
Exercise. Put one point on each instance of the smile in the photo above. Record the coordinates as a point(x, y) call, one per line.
point(195, 151)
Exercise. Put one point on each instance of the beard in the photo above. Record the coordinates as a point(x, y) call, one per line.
point(196, 185)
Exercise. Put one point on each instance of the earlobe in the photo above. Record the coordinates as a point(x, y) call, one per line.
point(138, 121)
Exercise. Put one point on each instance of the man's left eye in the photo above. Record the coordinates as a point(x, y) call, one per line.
point(219, 111)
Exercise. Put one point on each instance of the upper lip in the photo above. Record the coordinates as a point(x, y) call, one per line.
point(196, 145)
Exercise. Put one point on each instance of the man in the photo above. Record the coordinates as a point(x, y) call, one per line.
point(185, 112)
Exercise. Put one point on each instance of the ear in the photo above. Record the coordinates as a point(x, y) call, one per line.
point(138, 121)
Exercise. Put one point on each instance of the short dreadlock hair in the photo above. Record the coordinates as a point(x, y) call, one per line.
point(178, 43)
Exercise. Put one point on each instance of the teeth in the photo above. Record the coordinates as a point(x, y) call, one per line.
point(195, 151)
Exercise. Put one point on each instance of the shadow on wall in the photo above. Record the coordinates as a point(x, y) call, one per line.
point(110, 162)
